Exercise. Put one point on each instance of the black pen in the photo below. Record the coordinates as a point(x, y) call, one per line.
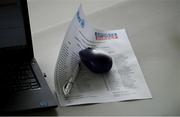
point(67, 87)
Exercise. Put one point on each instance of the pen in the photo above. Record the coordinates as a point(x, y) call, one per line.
point(69, 84)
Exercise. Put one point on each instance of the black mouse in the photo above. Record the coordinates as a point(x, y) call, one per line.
point(96, 60)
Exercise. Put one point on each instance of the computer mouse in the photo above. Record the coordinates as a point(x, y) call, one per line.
point(96, 60)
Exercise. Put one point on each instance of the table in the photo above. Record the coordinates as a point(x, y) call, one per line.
point(154, 31)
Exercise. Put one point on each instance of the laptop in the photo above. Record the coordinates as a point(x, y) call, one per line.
point(22, 84)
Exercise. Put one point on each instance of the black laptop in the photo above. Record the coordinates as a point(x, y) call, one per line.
point(22, 85)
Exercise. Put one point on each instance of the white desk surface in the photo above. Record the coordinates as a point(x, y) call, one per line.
point(154, 31)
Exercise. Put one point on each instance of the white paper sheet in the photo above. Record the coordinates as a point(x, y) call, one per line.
point(125, 81)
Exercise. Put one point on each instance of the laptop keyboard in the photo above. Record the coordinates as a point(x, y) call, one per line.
point(20, 77)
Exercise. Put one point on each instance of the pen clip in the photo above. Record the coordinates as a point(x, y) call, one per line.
point(67, 88)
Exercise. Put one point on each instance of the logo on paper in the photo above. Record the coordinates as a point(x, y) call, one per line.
point(80, 20)
point(105, 36)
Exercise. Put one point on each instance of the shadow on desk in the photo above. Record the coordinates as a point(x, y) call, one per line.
point(37, 112)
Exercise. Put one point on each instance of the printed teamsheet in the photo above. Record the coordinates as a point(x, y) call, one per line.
point(125, 81)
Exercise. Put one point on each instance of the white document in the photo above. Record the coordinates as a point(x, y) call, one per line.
point(125, 81)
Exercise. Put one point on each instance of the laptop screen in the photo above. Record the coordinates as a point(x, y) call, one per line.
point(12, 30)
